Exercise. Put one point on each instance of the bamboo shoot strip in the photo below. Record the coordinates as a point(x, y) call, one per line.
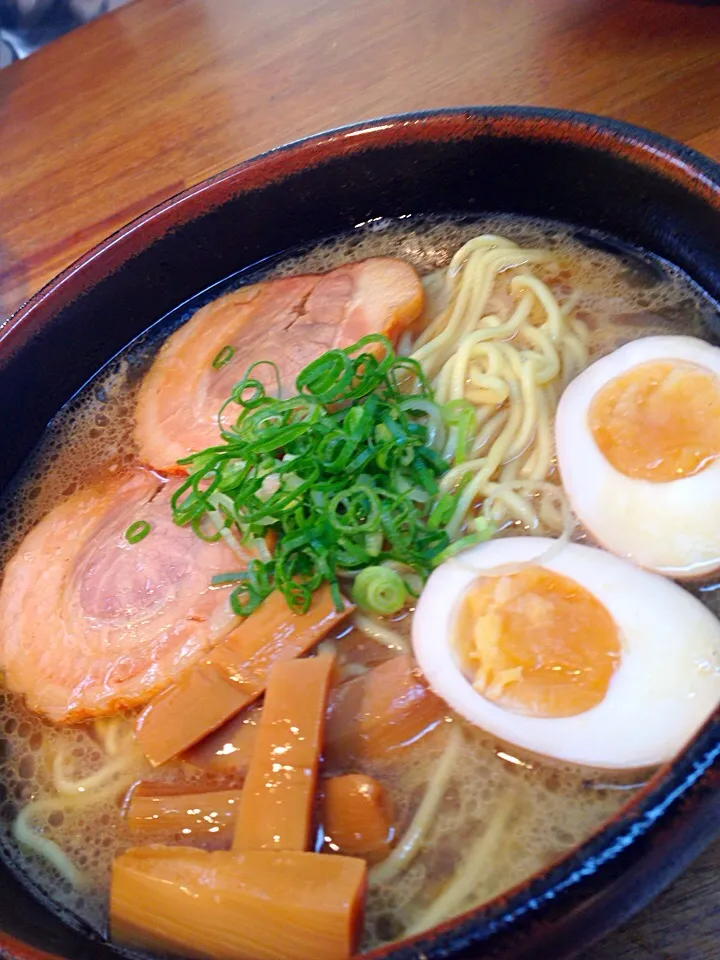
point(201, 817)
point(370, 716)
point(277, 800)
point(229, 749)
point(385, 709)
point(234, 675)
point(356, 814)
point(257, 905)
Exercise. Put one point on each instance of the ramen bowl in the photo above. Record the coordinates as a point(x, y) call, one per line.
point(594, 174)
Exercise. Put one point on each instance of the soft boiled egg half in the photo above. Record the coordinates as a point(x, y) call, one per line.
point(568, 651)
point(638, 447)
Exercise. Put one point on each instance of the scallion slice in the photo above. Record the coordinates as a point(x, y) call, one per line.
point(137, 531)
point(223, 356)
point(379, 590)
point(344, 474)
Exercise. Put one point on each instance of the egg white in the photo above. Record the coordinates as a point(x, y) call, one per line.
point(665, 687)
point(671, 527)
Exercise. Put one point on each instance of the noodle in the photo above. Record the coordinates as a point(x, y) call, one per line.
point(471, 872)
point(99, 781)
point(409, 846)
point(107, 730)
point(114, 776)
point(29, 838)
point(378, 631)
point(505, 345)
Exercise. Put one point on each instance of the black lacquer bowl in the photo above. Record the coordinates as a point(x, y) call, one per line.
point(594, 173)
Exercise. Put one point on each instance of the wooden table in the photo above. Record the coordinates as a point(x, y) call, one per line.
point(125, 112)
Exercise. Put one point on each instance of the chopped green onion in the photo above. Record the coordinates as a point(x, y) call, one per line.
point(345, 473)
point(459, 415)
point(223, 356)
point(413, 581)
point(221, 579)
point(137, 531)
point(484, 531)
point(379, 590)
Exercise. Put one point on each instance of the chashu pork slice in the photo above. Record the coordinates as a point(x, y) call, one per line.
point(90, 623)
point(289, 321)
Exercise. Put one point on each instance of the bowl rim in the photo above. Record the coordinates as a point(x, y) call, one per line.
point(698, 172)
point(682, 797)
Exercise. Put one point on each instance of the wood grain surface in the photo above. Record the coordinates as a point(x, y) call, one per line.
point(118, 115)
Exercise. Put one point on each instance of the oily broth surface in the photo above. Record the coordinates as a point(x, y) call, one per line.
point(554, 809)
point(556, 806)
point(620, 300)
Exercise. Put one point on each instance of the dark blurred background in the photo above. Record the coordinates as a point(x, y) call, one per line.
point(25, 25)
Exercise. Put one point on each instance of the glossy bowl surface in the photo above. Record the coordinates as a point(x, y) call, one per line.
point(597, 174)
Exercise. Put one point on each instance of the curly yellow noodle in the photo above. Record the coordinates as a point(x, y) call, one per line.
point(106, 776)
point(116, 773)
point(27, 836)
point(410, 844)
point(474, 872)
point(506, 345)
point(377, 630)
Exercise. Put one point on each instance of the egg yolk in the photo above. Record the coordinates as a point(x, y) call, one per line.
point(536, 642)
point(658, 421)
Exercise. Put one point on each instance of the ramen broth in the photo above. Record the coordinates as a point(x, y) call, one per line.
point(545, 807)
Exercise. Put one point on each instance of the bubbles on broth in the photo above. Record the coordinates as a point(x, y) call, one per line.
point(90, 437)
point(88, 832)
point(552, 807)
point(620, 297)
